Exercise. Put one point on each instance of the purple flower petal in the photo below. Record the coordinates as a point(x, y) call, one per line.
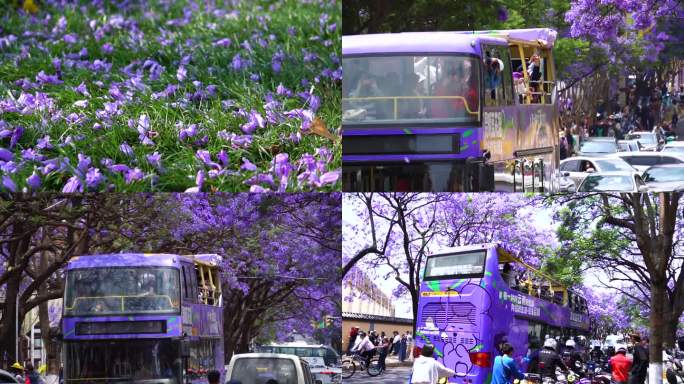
point(247, 165)
point(8, 183)
point(73, 185)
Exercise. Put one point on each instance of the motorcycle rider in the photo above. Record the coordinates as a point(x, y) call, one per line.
point(596, 354)
point(574, 358)
point(549, 360)
point(620, 365)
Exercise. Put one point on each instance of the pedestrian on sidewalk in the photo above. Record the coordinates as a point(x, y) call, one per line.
point(427, 370)
point(637, 375)
point(505, 370)
point(402, 348)
point(383, 348)
point(395, 343)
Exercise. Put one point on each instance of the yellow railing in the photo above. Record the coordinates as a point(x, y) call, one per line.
point(397, 98)
point(83, 298)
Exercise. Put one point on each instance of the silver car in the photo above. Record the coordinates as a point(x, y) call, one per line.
point(643, 160)
point(578, 167)
point(627, 182)
point(649, 141)
point(665, 178)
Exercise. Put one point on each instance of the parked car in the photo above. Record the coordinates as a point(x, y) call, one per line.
point(664, 178)
point(642, 160)
point(612, 182)
point(260, 368)
point(674, 147)
point(578, 167)
point(597, 146)
point(628, 146)
point(650, 141)
point(324, 361)
point(7, 378)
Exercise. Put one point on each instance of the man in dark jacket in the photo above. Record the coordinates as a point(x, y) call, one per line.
point(32, 377)
point(640, 361)
point(549, 360)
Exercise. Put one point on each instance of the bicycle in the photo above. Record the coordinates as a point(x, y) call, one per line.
point(349, 365)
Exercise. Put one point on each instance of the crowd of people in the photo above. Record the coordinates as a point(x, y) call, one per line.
point(627, 365)
point(659, 113)
point(368, 344)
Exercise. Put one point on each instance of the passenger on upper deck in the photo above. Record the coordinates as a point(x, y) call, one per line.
point(455, 82)
point(368, 87)
point(535, 74)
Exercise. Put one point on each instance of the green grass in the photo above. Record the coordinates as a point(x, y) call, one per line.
point(209, 65)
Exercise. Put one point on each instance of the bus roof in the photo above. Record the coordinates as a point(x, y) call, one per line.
point(415, 42)
point(466, 248)
point(545, 37)
point(457, 42)
point(139, 260)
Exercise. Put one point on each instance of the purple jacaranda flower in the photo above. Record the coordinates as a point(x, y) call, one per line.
point(70, 38)
point(115, 93)
point(81, 104)
point(258, 189)
point(93, 178)
point(8, 183)
point(188, 132)
point(205, 157)
point(247, 165)
point(223, 158)
point(44, 143)
point(8, 167)
point(44, 78)
point(30, 154)
point(222, 43)
point(126, 149)
point(73, 185)
point(254, 77)
point(154, 159)
point(5, 154)
point(97, 126)
point(57, 63)
point(261, 178)
point(16, 135)
point(118, 168)
point(33, 181)
point(199, 180)
point(211, 90)
point(330, 177)
point(281, 165)
point(107, 48)
point(182, 73)
point(83, 163)
point(132, 175)
point(237, 62)
point(255, 121)
point(282, 91)
point(82, 89)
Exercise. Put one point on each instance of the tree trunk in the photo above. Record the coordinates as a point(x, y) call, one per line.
point(670, 328)
point(8, 335)
point(655, 366)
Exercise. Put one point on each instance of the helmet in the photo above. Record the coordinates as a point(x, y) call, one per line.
point(17, 366)
point(550, 343)
point(570, 343)
point(621, 348)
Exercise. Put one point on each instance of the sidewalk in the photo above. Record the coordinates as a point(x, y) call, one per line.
point(393, 361)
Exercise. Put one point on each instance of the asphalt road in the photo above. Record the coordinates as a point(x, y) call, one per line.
point(393, 375)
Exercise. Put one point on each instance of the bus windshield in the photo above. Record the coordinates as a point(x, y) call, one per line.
point(410, 89)
point(119, 361)
point(122, 290)
point(468, 264)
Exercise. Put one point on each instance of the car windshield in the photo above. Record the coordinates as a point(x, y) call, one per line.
point(100, 291)
point(264, 370)
point(598, 147)
point(643, 138)
point(664, 174)
point(613, 165)
point(122, 361)
point(618, 183)
point(410, 89)
point(328, 355)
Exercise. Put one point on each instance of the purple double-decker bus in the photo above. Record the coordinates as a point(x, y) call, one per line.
point(474, 298)
point(450, 111)
point(151, 318)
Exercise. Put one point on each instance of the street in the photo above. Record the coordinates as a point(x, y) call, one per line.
point(393, 375)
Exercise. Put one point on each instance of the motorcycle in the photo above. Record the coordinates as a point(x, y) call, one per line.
point(597, 374)
point(674, 372)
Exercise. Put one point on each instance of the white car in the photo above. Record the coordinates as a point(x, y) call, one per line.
point(268, 368)
point(665, 178)
point(323, 360)
point(650, 141)
point(628, 146)
point(578, 167)
point(643, 160)
point(626, 182)
point(674, 147)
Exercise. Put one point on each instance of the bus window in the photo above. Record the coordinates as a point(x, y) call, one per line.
point(467, 264)
point(497, 75)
